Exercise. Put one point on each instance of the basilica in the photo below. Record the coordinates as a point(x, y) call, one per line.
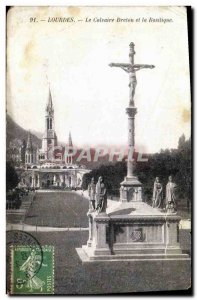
point(50, 153)
point(51, 165)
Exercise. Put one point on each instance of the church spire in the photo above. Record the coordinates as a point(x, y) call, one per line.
point(70, 143)
point(49, 107)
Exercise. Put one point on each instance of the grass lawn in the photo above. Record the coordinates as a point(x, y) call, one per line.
point(60, 209)
point(72, 277)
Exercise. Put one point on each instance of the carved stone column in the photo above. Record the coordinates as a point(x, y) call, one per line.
point(89, 242)
point(172, 235)
point(33, 182)
point(131, 187)
point(55, 179)
point(38, 183)
point(131, 112)
point(100, 236)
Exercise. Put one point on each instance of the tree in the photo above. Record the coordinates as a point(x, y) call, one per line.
point(175, 162)
point(181, 142)
point(184, 178)
point(112, 175)
point(11, 177)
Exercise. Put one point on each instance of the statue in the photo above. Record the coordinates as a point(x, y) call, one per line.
point(131, 68)
point(170, 195)
point(101, 196)
point(157, 193)
point(92, 194)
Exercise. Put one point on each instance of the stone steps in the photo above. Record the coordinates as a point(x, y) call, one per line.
point(130, 257)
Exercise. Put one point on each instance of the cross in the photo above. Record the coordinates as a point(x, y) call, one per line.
point(131, 68)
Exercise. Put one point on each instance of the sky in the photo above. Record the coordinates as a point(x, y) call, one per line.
point(89, 97)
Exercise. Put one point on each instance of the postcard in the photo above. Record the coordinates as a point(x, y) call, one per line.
point(99, 166)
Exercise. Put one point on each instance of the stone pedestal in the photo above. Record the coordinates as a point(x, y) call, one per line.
point(132, 231)
point(97, 244)
point(130, 190)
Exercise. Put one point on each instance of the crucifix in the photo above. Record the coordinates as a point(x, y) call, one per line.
point(131, 68)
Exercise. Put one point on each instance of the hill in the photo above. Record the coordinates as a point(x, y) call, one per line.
point(15, 132)
point(15, 135)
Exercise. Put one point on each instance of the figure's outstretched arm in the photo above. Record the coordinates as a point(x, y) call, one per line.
point(139, 67)
point(125, 67)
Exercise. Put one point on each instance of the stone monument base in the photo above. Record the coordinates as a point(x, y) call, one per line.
point(132, 231)
point(87, 256)
point(130, 190)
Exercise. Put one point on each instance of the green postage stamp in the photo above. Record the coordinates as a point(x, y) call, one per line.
point(32, 270)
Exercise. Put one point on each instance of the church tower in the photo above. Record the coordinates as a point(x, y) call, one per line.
point(69, 158)
point(70, 143)
point(49, 140)
point(22, 152)
point(29, 158)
